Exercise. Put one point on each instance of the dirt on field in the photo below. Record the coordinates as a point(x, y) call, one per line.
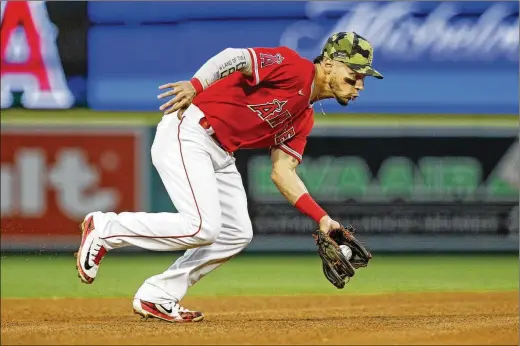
point(420, 319)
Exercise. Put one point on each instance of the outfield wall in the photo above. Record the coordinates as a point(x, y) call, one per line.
point(405, 189)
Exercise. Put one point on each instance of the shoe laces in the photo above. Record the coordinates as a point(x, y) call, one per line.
point(179, 307)
point(98, 253)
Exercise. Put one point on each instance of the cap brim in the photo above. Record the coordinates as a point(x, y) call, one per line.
point(375, 74)
point(366, 70)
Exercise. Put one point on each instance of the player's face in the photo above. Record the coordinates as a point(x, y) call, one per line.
point(345, 83)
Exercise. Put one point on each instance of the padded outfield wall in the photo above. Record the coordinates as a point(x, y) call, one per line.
point(406, 188)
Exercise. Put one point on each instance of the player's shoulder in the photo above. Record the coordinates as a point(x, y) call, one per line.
point(294, 63)
point(280, 54)
point(289, 52)
point(285, 65)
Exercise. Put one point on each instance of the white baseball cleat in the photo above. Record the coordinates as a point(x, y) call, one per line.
point(91, 251)
point(171, 312)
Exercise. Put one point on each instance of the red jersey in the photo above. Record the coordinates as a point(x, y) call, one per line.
point(269, 109)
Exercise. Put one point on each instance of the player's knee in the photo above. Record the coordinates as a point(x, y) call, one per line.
point(246, 230)
point(209, 230)
point(249, 233)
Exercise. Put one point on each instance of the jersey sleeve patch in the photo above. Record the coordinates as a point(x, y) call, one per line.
point(271, 64)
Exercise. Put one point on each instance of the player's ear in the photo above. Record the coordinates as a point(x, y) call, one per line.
point(327, 65)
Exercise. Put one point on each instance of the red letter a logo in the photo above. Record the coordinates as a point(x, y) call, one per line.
point(30, 59)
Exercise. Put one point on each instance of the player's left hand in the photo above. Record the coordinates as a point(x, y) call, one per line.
point(184, 93)
point(337, 268)
point(327, 224)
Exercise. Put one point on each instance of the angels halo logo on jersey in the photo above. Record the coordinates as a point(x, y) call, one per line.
point(271, 112)
point(269, 59)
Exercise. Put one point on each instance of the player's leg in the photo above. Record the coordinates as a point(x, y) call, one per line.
point(235, 234)
point(181, 152)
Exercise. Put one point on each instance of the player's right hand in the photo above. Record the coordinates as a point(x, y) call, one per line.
point(184, 93)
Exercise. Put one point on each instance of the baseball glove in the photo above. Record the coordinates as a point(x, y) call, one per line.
point(336, 267)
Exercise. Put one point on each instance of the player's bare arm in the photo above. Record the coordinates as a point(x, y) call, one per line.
point(285, 177)
point(291, 186)
point(220, 66)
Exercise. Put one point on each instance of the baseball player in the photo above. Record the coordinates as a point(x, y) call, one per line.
point(240, 98)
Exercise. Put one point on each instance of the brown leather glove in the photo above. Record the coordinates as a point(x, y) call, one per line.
point(336, 268)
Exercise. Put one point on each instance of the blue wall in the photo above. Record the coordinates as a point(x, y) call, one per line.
point(436, 57)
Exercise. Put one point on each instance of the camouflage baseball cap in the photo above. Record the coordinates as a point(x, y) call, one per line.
point(353, 50)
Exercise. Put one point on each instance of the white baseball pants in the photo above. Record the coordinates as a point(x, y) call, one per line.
point(212, 222)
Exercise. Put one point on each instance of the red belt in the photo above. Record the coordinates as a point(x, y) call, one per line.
point(206, 126)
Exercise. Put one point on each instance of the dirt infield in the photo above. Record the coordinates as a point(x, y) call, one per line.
point(433, 318)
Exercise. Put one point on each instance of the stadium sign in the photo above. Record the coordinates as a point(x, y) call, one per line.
point(30, 60)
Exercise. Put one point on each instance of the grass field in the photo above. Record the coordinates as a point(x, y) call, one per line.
point(278, 299)
point(85, 116)
point(250, 274)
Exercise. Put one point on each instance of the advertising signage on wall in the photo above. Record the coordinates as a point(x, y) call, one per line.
point(435, 55)
point(43, 54)
point(416, 34)
point(413, 185)
point(408, 185)
point(406, 34)
point(51, 177)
